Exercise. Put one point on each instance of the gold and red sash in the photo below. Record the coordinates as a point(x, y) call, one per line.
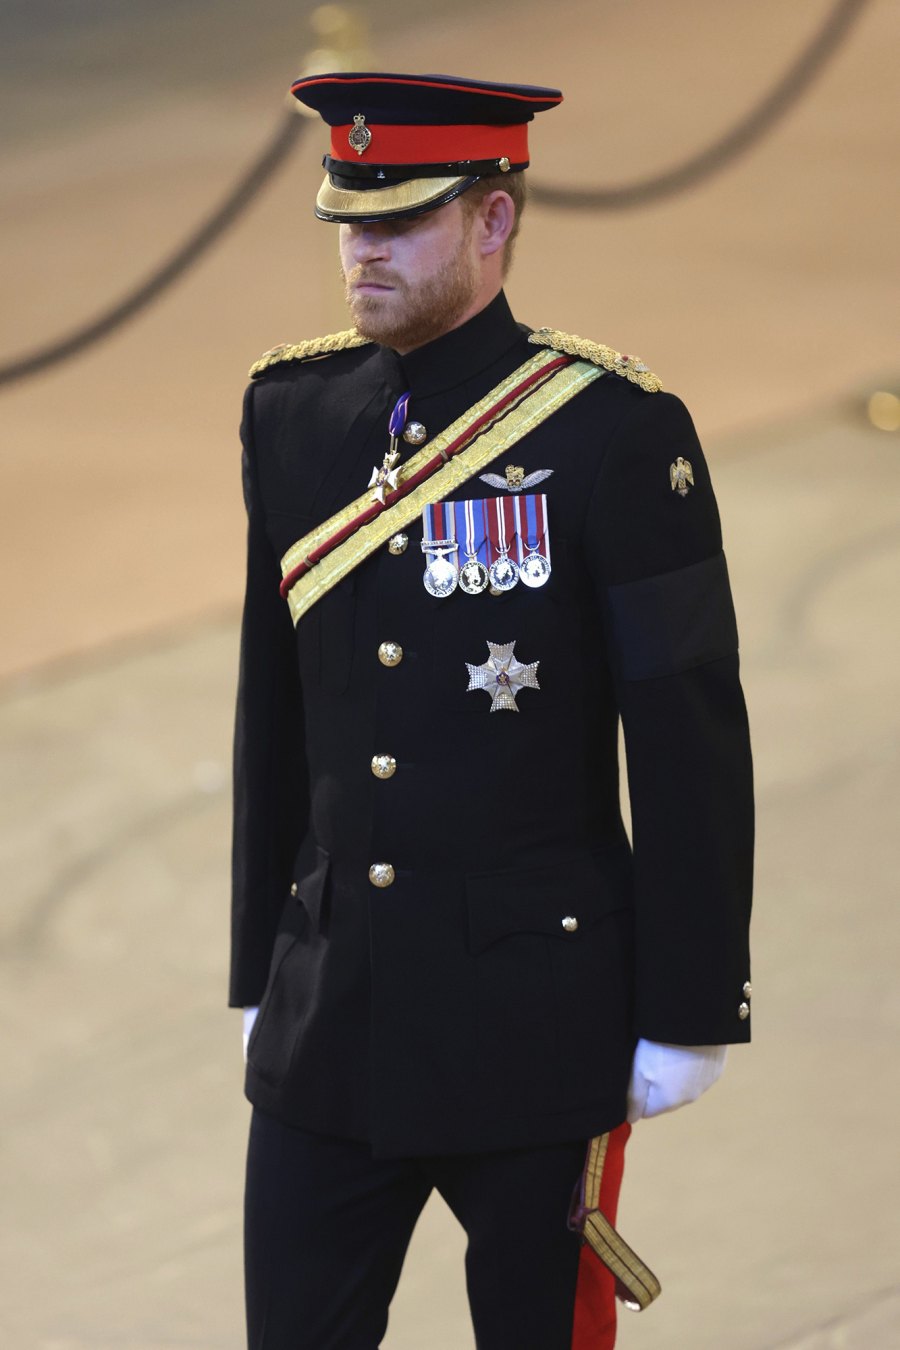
point(532, 393)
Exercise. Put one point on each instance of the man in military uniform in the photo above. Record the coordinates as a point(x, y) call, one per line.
point(472, 549)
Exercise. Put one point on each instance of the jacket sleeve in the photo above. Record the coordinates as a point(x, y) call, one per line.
point(271, 796)
point(662, 582)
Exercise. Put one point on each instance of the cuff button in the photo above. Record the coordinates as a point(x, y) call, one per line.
point(744, 1011)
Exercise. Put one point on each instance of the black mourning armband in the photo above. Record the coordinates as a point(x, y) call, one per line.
point(669, 623)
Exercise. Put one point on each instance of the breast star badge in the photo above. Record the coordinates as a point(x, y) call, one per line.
point(681, 476)
point(502, 676)
point(385, 479)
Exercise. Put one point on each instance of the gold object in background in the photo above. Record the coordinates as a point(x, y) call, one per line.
point(884, 410)
point(343, 44)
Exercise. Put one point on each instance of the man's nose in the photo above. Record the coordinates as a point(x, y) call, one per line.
point(370, 243)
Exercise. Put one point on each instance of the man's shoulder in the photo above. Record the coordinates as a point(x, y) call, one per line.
point(289, 355)
point(629, 368)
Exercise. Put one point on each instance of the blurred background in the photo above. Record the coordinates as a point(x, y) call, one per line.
point(760, 281)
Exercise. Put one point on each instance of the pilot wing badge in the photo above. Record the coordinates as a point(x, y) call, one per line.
point(515, 480)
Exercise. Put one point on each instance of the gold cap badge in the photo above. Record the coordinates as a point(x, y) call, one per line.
point(360, 136)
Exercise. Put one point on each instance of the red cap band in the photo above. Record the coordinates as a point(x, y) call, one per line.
point(433, 144)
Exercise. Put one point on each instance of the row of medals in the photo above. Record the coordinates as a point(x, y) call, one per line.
point(443, 575)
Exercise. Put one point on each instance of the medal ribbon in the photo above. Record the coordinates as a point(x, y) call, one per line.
point(503, 526)
point(465, 517)
point(486, 526)
point(536, 526)
point(438, 522)
point(397, 421)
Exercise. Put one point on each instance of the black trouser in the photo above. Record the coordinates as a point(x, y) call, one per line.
point(327, 1228)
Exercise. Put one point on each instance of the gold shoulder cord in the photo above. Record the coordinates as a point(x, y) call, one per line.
point(306, 351)
point(630, 368)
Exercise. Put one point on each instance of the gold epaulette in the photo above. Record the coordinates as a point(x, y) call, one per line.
point(628, 367)
point(305, 351)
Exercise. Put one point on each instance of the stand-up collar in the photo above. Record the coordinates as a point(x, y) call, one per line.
point(456, 356)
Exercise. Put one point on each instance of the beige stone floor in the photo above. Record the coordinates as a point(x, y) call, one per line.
point(769, 300)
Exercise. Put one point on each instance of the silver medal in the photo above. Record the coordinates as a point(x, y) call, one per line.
point(504, 573)
point(473, 578)
point(440, 577)
point(534, 567)
point(535, 570)
point(441, 574)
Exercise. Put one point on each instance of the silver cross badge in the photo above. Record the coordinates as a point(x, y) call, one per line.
point(502, 676)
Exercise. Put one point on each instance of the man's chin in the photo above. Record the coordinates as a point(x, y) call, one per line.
point(371, 315)
point(378, 324)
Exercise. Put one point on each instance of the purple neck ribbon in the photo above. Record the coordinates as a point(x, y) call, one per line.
point(398, 416)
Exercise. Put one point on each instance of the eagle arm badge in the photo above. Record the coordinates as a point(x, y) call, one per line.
point(681, 476)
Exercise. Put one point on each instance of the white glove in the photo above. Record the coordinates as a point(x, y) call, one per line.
point(664, 1077)
point(249, 1019)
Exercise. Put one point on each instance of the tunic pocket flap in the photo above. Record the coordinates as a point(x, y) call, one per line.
point(311, 889)
point(561, 900)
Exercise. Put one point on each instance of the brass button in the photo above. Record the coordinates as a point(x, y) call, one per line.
point(390, 653)
point(397, 544)
point(293, 888)
point(570, 924)
point(744, 1011)
point(384, 766)
point(415, 434)
point(503, 164)
point(748, 989)
point(381, 875)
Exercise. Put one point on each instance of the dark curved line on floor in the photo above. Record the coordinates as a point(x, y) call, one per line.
point(273, 155)
point(26, 937)
point(762, 118)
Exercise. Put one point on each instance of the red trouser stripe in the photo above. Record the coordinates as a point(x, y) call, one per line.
point(594, 1322)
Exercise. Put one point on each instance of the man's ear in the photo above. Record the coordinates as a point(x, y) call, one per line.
point(496, 216)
